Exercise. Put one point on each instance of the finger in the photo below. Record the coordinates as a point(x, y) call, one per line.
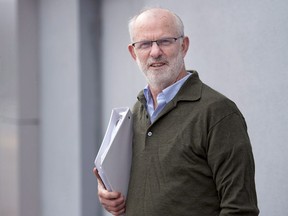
point(117, 207)
point(109, 195)
point(118, 213)
point(99, 180)
point(100, 184)
point(113, 204)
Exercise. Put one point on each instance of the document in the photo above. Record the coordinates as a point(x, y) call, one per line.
point(113, 160)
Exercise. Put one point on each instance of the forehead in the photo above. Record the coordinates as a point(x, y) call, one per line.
point(153, 24)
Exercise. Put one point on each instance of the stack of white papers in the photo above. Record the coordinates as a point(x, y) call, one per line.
point(113, 160)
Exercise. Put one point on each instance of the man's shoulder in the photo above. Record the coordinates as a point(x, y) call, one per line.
point(205, 95)
point(216, 106)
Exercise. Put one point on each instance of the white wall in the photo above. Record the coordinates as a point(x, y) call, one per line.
point(239, 48)
point(9, 143)
point(19, 123)
point(60, 108)
point(70, 114)
point(50, 109)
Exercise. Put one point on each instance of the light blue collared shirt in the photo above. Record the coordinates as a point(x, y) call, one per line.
point(163, 97)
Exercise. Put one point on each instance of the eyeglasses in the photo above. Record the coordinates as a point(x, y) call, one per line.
point(163, 42)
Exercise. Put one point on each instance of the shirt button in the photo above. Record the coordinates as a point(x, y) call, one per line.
point(149, 134)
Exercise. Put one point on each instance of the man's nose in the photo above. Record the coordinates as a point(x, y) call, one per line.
point(155, 50)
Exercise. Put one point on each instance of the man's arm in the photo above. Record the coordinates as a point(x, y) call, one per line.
point(231, 160)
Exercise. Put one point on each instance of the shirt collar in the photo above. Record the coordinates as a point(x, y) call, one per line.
point(169, 92)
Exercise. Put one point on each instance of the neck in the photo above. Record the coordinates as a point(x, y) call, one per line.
point(155, 90)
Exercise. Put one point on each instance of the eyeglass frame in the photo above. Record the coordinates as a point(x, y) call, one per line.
point(156, 41)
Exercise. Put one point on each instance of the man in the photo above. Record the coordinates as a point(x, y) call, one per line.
point(191, 151)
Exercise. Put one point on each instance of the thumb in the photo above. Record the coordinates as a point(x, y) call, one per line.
point(99, 180)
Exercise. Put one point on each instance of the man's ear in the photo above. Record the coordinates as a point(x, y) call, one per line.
point(132, 51)
point(185, 45)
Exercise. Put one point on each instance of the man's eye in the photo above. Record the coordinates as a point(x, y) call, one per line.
point(145, 44)
point(164, 42)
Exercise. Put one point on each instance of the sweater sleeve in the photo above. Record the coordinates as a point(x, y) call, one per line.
point(230, 158)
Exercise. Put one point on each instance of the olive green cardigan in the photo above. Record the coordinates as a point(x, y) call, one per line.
point(195, 159)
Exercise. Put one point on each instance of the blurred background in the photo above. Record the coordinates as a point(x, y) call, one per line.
point(64, 65)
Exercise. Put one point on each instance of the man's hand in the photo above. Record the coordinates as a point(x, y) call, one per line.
point(113, 202)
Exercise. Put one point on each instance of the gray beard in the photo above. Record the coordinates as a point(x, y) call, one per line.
point(163, 78)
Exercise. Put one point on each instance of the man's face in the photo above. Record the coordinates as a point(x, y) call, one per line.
point(161, 70)
point(161, 64)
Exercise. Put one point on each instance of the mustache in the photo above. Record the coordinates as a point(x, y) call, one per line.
point(157, 60)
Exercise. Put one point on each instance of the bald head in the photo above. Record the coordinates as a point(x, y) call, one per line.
point(153, 19)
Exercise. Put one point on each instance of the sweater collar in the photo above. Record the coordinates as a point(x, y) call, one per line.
point(190, 91)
